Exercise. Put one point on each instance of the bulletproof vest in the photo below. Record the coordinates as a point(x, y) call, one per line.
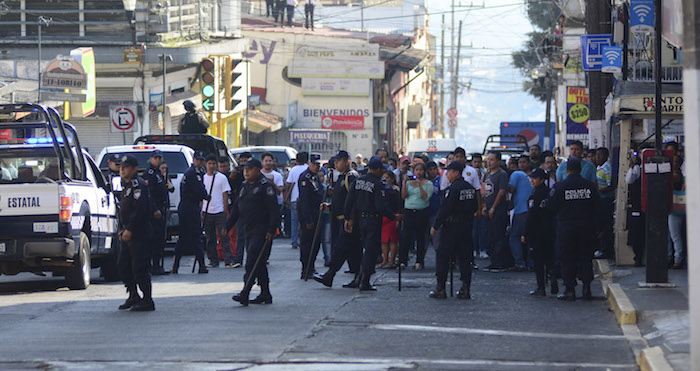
point(192, 125)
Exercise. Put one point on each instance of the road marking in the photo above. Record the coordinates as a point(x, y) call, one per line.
point(467, 362)
point(471, 331)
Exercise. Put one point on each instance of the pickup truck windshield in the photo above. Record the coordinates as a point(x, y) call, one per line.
point(29, 165)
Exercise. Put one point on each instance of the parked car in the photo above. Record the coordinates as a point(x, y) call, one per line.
point(179, 159)
point(58, 213)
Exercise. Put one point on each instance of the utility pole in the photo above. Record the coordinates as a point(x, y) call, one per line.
point(165, 58)
point(39, 22)
point(441, 116)
point(691, 94)
point(548, 113)
point(599, 84)
point(455, 78)
point(453, 82)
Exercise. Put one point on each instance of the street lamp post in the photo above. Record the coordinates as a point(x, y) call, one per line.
point(165, 58)
point(45, 22)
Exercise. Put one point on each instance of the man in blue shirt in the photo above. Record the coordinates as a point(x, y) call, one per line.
point(520, 188)
point(588, 170)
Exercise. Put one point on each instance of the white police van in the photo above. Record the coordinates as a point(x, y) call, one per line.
point(57, 212)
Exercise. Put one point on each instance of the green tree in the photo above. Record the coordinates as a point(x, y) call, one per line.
point(543, 15)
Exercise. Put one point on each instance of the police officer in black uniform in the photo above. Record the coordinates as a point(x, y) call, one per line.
point(344, 245)
point(192, 192)
point(575, 201)
point(539, 233)
point(366, 203)
point(454, 220)
point(311, 195)
point(257, 202)
point(113, 161)
point(158, 190)
point(134, 253)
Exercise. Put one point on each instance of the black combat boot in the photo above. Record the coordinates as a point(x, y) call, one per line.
point(133, 299)
point(587, 295)
point(146, 304)
point(464, 292)
point(326, 279)
point(355, 283)
point(242, 297)
point(568, 295)
point(540, 292)
point(365, 285)
point(176, 265)
point(265, 297)
point(555, 287)
point(202, 266)
point(439, 292)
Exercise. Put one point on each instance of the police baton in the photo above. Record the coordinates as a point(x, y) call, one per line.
point(313, 251)
point(252, 275)
point(452, 278)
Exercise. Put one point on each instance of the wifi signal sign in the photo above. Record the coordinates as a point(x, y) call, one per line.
point(642, 15)
point(612, 59)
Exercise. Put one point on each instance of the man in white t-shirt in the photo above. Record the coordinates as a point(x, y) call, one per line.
point(293, 193)
point(215, 213)
point(268, 160)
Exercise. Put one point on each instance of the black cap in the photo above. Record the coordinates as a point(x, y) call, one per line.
point(245, 155)
point(115, 158)
point(375, 163)
point(315, 158)
point(129, 160)
point(253, 163)
point(342, 155)
point(157, 153)
point(538, 173)
point(189, 105)
point(199, 155)
point(455, 165)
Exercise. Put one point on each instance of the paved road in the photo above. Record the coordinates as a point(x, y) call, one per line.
point(309, 327)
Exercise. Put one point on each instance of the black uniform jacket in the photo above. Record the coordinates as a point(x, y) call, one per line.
point(458, 204)
point(257, 204)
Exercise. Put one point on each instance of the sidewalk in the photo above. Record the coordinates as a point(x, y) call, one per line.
point(655, 320)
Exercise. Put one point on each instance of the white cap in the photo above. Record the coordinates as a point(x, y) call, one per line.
point(359, 155)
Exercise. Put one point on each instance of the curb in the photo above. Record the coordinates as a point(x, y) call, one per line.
point(603, 268)
point(652, 359)
point(622, 306)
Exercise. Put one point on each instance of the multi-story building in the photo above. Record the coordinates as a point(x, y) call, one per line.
point(130, 40)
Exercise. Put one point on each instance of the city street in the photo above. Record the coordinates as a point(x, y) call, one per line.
point(196, 325)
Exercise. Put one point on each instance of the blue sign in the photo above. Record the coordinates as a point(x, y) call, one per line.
point(642, 15)
point(592, 50)
point(309, 136)
point(612, 59)
point(155, 103)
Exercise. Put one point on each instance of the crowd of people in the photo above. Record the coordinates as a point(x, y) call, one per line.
point(532, 212)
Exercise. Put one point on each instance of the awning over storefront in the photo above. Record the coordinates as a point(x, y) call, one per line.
point(637, 100)
point(259, 121)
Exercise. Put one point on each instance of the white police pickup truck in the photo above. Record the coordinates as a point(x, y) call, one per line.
point(57, 213)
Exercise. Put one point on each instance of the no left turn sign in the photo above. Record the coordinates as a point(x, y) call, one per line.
point(123, 119)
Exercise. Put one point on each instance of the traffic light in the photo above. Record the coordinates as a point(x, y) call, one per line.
point(233, 83)
point(207, 77)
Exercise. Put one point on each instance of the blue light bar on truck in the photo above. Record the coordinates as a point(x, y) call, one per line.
point(42, 140)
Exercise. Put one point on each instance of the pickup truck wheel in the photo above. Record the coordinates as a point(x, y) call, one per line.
point(78, 277)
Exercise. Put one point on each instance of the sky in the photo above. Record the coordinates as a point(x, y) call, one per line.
point(491, 31)
point(490, 35)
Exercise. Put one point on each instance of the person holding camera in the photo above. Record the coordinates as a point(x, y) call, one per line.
point(416, 192)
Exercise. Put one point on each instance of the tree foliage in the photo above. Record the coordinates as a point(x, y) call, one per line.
point(543, 15)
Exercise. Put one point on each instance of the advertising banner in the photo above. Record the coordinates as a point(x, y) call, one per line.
point(335, 87)
point(305, 68)
point(343, 122)
point(577, 114)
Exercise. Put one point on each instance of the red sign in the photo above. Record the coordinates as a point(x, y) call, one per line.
point(452, 112)
point(343, 122)
point(6, 134)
